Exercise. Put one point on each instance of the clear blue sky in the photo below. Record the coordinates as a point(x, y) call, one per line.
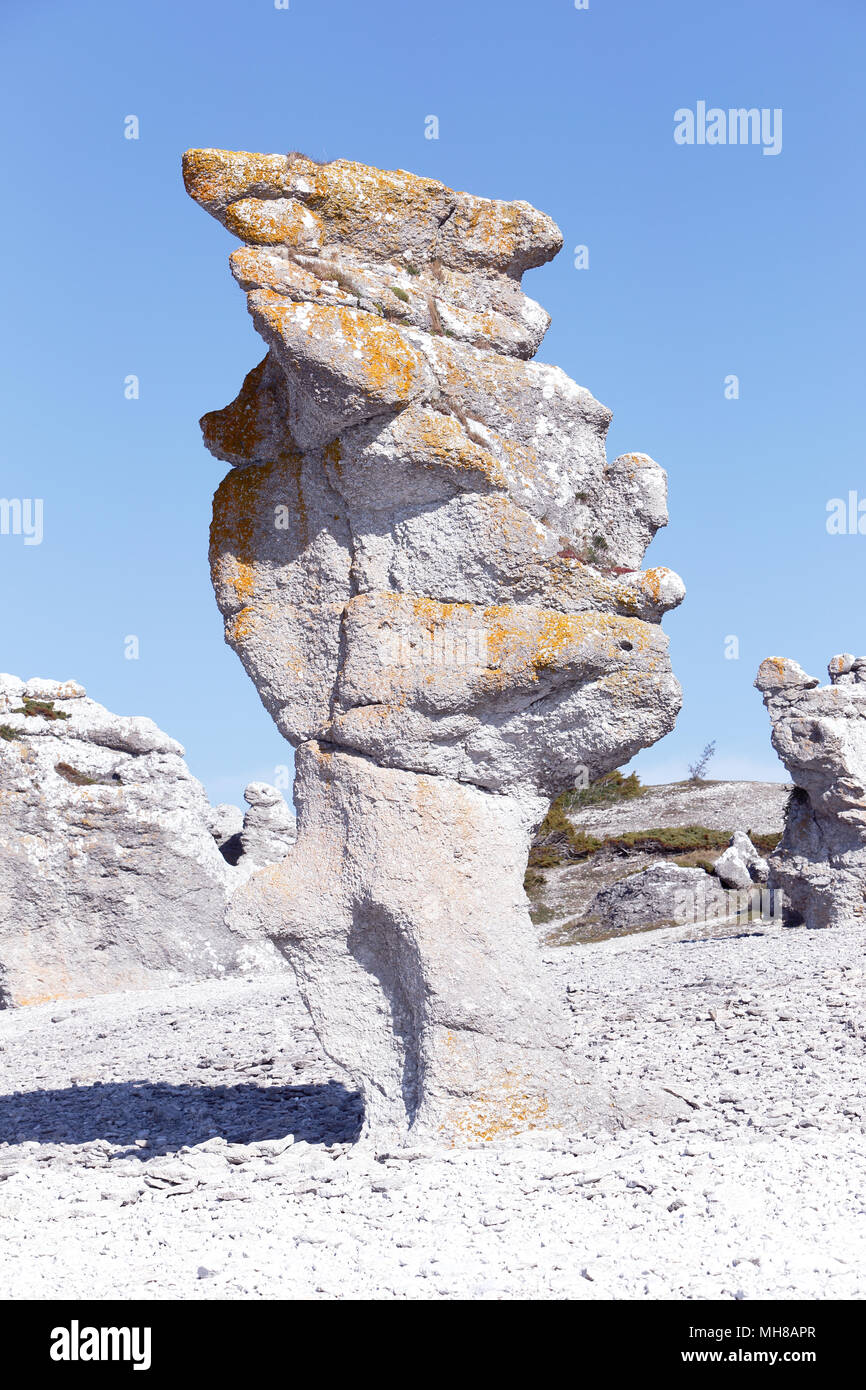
point(704, 262)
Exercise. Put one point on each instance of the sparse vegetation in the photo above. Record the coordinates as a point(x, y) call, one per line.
point(400, 293)
point(604, 791)
point(40, 709)
point(71, 774)
point(560, 842)
point(9, 734)
point(765, 844)
point(677, 839)
point(699, 767)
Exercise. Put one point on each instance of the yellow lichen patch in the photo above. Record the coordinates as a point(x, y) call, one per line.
point(430, 613)
point(652, 582)
point(481, 328)
point(280, 222)
point(489, 231)
point(539, 639)
point(363, 204)
point(217, 177)
point(232, 532)
point(241, 626)
point(509, 1105)
point(438, 440)
point(355, 346)
point(256, 268)
point(240, 432)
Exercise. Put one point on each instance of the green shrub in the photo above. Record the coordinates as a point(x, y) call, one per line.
point(766, 843)
point(604, 790)
point(40, 709)
point(71, 774)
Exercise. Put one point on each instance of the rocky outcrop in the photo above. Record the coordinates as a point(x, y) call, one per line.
point(752, 806)
point(740, 865)
point(110, 877)
point(269, 829)
point(429, 568)
point(662, 895)
point(819, 732)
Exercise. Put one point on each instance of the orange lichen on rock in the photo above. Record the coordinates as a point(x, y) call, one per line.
point(349, 344)
point(232, 533)
point(216, 178)
point(280, 222)
point(537, 639)
point(509, 236)
point(372, 207)
point(439, 440)
point(241, 432)
point(504, 1105)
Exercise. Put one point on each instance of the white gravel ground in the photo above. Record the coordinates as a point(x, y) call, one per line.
point(193, 1143)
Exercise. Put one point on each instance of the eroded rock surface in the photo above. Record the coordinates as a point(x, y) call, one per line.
point(110, 877)
point(662, 895)
point(740, 865)
point(429, 569)
point(269, 828)
point(819, 732)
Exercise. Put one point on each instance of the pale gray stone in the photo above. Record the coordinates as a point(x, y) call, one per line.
point(269, 828)
point(430, 570)
point(740, 865)
point(819, 732)
point(110, 876)
point(662, 895)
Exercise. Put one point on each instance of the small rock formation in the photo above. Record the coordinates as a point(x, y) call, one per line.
point(740, 865)
point(110, 877)
point(269, 828)
point(430, 570)
point(264, 835)
point(225, 822)
point(819, 732)
point(662, 895)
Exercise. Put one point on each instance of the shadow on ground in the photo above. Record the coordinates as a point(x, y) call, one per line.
point(173, 1116)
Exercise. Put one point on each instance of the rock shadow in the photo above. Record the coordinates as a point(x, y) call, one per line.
point(174, 1116)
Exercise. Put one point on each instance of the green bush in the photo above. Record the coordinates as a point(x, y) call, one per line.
point(40, 709)
point(604, 790)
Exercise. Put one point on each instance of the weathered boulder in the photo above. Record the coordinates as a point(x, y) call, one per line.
point(429, 568)
point(819, 732)
point(110, 877)
point(269, 828)
point(662, 895)
point(740, 865)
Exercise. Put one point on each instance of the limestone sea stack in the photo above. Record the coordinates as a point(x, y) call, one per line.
point(819, 732)
point(110, 877)
point(431, 572)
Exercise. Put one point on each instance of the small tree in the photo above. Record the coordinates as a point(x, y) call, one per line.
point(697, 769)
